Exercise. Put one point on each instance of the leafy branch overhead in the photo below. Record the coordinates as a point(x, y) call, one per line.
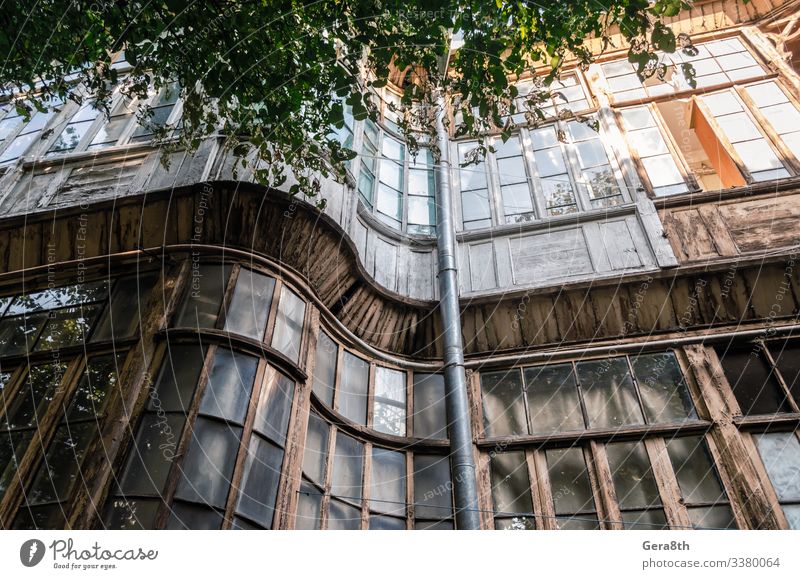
point(264, 72)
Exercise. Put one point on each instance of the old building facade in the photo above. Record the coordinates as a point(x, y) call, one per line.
point(181, 348)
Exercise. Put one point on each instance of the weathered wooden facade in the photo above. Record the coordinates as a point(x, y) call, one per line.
point(182, 348)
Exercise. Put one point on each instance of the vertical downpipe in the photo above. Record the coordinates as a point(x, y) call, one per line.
point(462, 463)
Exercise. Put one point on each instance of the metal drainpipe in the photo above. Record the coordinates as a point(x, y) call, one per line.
point(462, 463)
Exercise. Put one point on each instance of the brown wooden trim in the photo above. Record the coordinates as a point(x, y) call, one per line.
point(605, 496)
point(674, 510)
point(292, 472)
point(547, 508)
point(567, 439)
point(325, 500)
point(365, 485)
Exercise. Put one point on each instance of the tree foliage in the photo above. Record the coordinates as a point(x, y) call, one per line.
point(263, 71)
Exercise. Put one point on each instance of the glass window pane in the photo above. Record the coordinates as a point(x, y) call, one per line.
point(131, 514)
point(388, 482)
point(662, 170)
point(511, 170)
point(780, 452)
point(433, 525)
point(430, 417)
point(390, 202)
point(432, 487)
point(584, 522)
point(511, 487)
point(722, 103)
point(759, 156)
point(569, 481)
point(787, 359)
point(517, 199)
point(553, 398)
point(608, 393)
point(343, 517)
point(309, 506)
point(315, 452)
point(12, 448)
point(152, 455)
point(662, 387)
point(766, 94)
point(46, 517)
point(651, 520)
point(391, 174)
point(634, 482)
point(229, 386)
point(289, 324)
point(204, 296)
point(67, 327)
point(352, 402)
point(550, 162)
point(503, 405)
point(325, 368)
point(128, 308)
point(249, 309)
point(274, 408)
point(420, 183)
point(30, 402)
point(422, 210)
point(193, 517)
point(475, 205)
point(206, 471)
point(719, 517)
point(738, 127)
point(61, 469)
point(180, 371)
point(753, 383)
point(390, 401)
point(792, 513)
point(695, 470)
point(259, 487)
point(591, 153)
point(381, 523)
point(348, 461)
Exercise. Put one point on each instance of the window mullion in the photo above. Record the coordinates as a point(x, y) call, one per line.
point(547, 509)
point(602, 481)
point(534, 181)
point(366, 480)
point(495, 192)
point(574, 169)
point(675, 511)
point(325, 500)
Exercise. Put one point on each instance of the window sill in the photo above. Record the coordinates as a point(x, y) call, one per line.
point(110, 153)
point(547, 223)
point(768, 422)
point(695, 197)
point(633, 432)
